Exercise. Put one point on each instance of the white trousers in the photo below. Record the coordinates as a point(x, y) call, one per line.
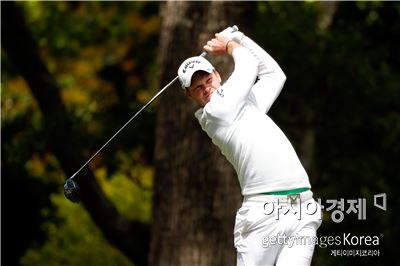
point(277, 230)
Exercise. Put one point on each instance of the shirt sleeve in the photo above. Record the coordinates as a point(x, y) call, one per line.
point(229, 99)
point(270, 75)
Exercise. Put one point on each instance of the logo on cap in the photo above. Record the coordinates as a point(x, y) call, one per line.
point(190, 64)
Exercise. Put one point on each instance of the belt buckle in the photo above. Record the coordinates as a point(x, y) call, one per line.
point(292, 198)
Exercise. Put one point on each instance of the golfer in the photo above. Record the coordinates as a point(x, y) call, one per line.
point(278, 220)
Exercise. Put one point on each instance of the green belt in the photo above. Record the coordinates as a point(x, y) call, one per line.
point(287, 192)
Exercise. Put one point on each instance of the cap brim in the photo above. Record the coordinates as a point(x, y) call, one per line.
point(191, 73)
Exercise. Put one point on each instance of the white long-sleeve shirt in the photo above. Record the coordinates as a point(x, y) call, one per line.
point(235, 119)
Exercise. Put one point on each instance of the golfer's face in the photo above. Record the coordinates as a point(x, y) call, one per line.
point(203, 86)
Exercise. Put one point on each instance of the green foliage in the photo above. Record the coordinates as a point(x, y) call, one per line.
point(73, 239)
point(70, 231)
point(83, 45)
point(130, 188)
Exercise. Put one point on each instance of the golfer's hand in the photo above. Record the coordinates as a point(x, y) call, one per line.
point(219, 45)
point(230, 33)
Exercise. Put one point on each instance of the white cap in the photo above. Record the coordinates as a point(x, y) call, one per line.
point(190, 66)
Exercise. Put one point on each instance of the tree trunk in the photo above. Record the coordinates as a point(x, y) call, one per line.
point(327, 13)
point(62, 138)
point(196, 190)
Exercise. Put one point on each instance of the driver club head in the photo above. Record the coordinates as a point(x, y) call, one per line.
point(71, 190)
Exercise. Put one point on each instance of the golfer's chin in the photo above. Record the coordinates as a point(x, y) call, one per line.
point(207, 99)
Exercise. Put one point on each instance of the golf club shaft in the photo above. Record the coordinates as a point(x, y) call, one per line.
point(130, 120)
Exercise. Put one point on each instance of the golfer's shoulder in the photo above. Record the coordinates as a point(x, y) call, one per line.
point(212, 115)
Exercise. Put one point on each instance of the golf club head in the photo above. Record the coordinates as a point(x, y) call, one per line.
point(71, 190)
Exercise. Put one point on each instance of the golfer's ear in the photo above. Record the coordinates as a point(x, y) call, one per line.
point(187, 93)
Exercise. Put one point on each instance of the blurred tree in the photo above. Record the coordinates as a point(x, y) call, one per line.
point(342, 62)
point(61, 136)
point(196, 191)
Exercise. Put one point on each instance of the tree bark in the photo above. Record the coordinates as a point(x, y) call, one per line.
point(196, 190)
point(131, 237)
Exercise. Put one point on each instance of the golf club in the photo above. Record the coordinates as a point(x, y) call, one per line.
point(71, 188)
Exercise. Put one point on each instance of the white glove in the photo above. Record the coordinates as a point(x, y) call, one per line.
point(233, 33)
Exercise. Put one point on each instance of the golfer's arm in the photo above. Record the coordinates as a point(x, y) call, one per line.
point(233, 94)
point(243, 77)
point(271, 76)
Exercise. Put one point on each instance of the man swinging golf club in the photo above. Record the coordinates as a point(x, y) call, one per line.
point(278, 218)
